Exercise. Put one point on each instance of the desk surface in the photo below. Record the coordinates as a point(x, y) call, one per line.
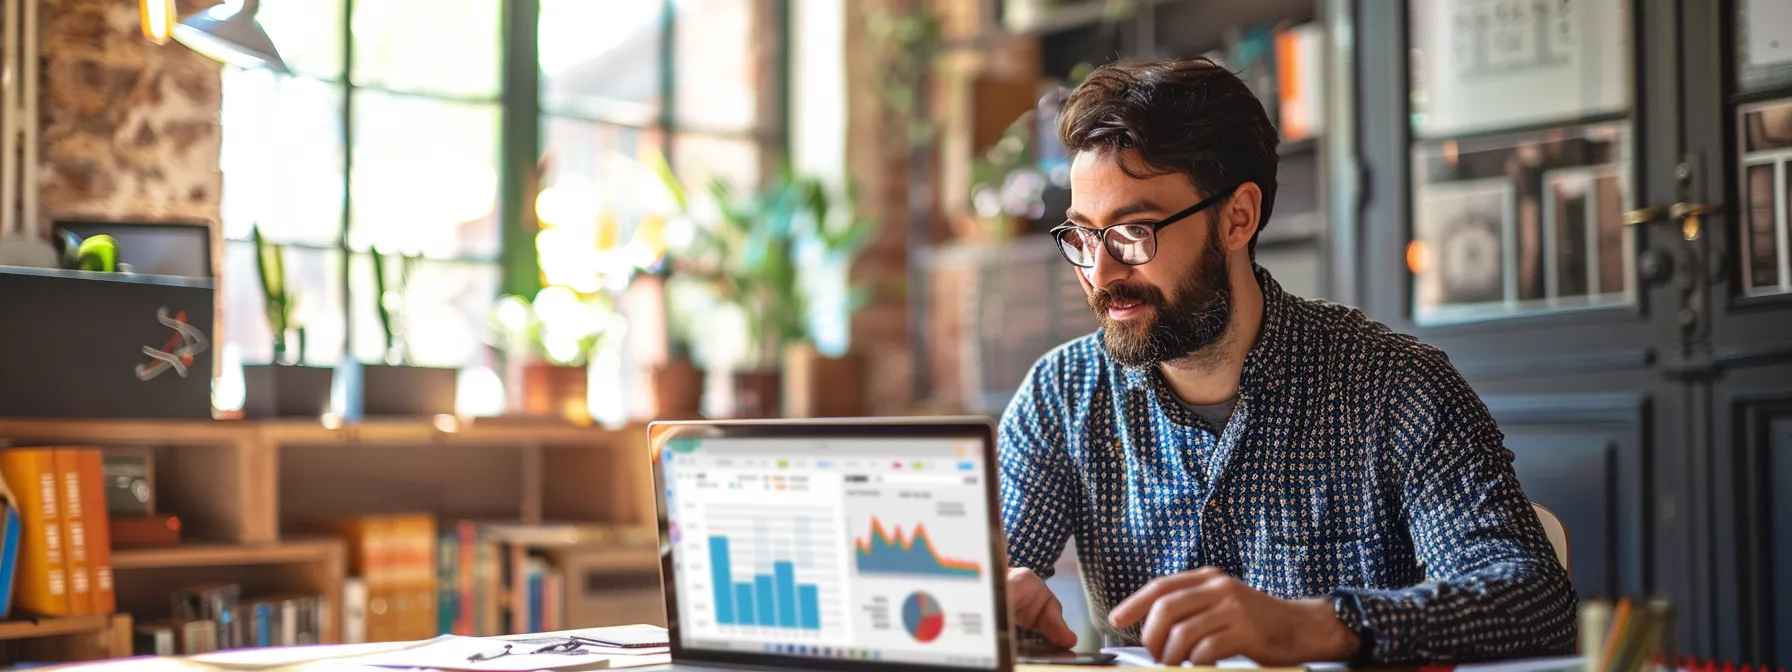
point(333, 657)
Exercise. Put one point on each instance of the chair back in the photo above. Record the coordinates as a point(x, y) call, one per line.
point(1558, 535)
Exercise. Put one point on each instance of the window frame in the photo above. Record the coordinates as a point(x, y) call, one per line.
point(522, 115)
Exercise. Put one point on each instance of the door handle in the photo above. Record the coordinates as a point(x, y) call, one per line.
point(1690, 214)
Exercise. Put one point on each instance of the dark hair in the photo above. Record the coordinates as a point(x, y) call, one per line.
point(1188, 116)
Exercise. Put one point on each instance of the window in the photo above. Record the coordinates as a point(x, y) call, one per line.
point(389, 136)
point(689, 81)
point(391, 145)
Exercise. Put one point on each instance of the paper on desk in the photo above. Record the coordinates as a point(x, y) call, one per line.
point(1558, 664)
point(450, 652)
point(1139, 656)
point(275, 657)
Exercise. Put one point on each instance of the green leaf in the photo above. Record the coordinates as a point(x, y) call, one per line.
point(657, 163)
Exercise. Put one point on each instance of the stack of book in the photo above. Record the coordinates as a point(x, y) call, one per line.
point(63, 543)
point(215, 617)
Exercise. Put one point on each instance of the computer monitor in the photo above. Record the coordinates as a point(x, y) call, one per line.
point(833, 545)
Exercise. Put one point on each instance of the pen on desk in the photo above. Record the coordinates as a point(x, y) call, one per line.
point(1614, 635)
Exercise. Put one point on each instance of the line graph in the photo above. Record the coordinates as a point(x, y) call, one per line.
point(879, 552)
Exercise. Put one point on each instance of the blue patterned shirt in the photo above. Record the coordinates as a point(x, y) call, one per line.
point(1358, 464)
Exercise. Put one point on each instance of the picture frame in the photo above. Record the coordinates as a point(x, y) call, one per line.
point(1467, 232)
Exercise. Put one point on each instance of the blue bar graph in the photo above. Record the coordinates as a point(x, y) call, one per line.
point(765, 600)
point(772, 600)
point(743, 603)
point(784, 574)
point(810, 602)
point(722, 574)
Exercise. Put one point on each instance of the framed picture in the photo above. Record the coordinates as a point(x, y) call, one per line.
point(1583, 232)
point(1489, 65)
point(1467, 235)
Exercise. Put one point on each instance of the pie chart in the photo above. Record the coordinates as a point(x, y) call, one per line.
point(922, 617)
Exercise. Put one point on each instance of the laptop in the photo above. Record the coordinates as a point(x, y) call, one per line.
point(832, 544)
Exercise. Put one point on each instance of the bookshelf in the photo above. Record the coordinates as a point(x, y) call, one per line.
point(250, 494)
point(71, 638)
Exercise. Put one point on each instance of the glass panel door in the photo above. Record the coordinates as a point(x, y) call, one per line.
point(1521, 157)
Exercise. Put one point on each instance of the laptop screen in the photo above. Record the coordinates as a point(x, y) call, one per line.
point(842, 548)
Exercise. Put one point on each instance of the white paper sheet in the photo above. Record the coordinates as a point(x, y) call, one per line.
point(1138, 656)
point(450, 652)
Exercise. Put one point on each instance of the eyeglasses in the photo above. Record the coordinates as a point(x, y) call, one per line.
point(568, 647)
point(1130, 244)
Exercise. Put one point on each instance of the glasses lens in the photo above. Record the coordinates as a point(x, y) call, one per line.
point(1078, 246)
point(1132, 243)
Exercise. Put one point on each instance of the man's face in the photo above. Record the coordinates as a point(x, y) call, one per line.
point(1173, 306)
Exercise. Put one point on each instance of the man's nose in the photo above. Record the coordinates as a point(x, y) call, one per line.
point(1107, 270)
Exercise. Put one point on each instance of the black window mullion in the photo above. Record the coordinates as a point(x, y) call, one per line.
point(348, 167)
point(668, 80)
point(519, 147)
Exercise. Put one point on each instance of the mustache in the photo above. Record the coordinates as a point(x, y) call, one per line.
point(1105, 297)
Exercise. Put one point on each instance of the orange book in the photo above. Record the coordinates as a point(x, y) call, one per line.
point(99, 531)
point(42, 578)
point(412, 569)
point(74, 530)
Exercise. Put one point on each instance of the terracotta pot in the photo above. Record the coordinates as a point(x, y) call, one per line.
point(822, 387)
point(678, 390)
point(556, 391)
point(756, 394)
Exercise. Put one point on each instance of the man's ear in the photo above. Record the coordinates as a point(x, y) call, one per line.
point(1239, 215)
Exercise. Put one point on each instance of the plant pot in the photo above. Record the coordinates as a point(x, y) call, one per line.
point(816, 386)
point(551, 390)
point(678, 390)
point(407, 391)
point(756, 394)
point(286, 391)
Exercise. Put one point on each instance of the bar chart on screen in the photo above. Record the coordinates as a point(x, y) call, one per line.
point(772, 571)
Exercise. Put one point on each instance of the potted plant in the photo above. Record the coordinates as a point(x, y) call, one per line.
point(284, 387)
point(548, 342)
point(766, 254)
point(677, 381)
point(393, 386)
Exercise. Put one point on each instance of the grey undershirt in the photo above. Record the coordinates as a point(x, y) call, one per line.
point(1215, 415)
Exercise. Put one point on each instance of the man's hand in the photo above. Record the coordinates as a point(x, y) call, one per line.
point(1035, 607)
point(1205, 615)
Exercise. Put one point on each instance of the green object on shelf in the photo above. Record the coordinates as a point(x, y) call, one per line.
point(99, 253)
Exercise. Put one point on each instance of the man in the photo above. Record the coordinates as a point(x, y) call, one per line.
point(1247, 472)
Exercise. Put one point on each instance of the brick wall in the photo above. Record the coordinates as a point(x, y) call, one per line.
point(129, 129)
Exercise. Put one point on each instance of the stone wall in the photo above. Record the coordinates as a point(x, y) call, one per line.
point(129, 129)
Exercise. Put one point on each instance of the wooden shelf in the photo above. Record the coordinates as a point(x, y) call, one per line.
point(50, 627)
point(203, 554)
point(412, 431)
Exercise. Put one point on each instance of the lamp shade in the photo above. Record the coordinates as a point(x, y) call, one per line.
point(229, 33)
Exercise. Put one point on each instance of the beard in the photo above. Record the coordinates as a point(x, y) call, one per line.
point(1178, 329)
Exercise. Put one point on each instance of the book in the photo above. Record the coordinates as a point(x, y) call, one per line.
point(98, 531)
point(10, 534)
point(42, 575)
point(74, 530)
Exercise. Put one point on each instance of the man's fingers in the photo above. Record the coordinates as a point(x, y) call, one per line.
point(1186, 635)
point(1174, 608)
point(1028, 611)
point(1218, 646)
point(1051, 624)
point(1135, 606)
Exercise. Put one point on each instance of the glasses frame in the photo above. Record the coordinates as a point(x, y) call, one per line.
point(1101, 235)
